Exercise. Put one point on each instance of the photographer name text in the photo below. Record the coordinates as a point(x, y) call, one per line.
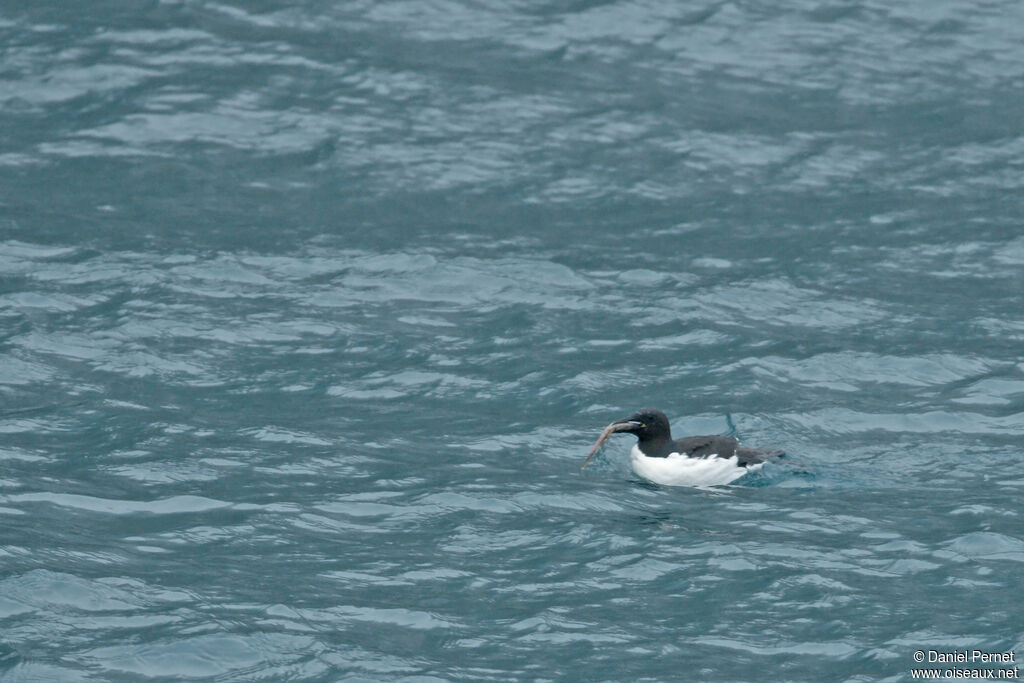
point(965, 656)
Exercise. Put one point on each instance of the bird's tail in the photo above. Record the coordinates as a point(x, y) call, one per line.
point(760, 453)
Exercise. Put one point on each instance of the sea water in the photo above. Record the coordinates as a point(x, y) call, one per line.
point(310, 312)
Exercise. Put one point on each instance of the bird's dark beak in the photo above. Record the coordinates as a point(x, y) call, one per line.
point(620, 426)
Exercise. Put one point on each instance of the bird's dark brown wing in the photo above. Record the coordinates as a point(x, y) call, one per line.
point(723, 447)
point(705, 446)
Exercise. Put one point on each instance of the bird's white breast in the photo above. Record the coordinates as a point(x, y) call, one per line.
point(680, 470)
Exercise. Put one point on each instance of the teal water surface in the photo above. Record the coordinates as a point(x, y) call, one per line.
point(310, 312)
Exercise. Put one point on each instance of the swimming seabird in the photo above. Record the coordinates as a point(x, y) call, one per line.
point(689, 461)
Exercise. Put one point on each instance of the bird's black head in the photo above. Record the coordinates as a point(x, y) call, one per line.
point(647, 424)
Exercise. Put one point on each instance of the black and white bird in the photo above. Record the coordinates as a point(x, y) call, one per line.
point(689, 461)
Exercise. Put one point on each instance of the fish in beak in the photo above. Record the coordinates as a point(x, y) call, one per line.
point(620, 426)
